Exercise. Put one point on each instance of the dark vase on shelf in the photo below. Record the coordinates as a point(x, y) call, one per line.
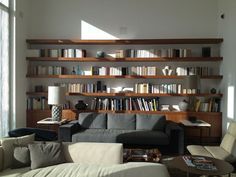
point(81, 105)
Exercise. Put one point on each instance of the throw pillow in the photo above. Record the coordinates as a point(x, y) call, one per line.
point(43, 155)
point(21, 157)
point(8, 148)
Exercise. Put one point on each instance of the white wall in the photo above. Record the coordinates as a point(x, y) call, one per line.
point(227, 30)
point(140, 19)
point(115, 19)
point(22, 20)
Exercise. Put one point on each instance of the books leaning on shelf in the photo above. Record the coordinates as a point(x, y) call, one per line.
point(200, 163)
point(125, 104)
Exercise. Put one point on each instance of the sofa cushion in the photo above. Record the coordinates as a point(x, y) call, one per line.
point(122, 136)
point(93, 153)
point(121, 121)
point(42, 155)
point(132, 169)
point(8, 147)
point(150, 122)
point(18, 172)
point(21, 157)
point(143, 138)
point(93, 120)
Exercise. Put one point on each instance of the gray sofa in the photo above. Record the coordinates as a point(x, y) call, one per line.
point(132, 130)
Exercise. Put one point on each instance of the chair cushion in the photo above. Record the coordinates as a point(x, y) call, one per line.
point(219, 153)
point(232, 129)
point(229, 144)
point(8, 147)
point(121, 121)
point(43, 155)
point(21, 157)
point(150, 122)
point(198, 150)
point(93, 120)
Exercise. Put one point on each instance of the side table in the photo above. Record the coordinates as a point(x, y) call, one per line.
point(199, 124)
point(223, 167)
point(49, 124)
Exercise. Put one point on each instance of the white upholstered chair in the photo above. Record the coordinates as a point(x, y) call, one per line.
point(226, 151)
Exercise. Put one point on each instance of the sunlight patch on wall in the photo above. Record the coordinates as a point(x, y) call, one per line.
point(230, 102)
point(89, 31)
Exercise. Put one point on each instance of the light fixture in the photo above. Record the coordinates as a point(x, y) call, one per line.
point(56, 98)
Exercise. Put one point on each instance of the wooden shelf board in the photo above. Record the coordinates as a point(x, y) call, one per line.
point(117, 77)
point(126, 41)
point(128, 94)
point(92, 59)
point(133, 112)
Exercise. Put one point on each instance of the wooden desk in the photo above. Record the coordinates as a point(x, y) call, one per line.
point(48, 124)
point(199, 124)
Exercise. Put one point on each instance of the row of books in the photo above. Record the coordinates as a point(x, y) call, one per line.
point(157, 53)
point(138, 88)
point(80, 87)
point(209, 105)
point(119, 71)
point(125, 104)
point(202, 71)
point(47, 70)
point(158, 88)
point(41, 103)
point(68, 53)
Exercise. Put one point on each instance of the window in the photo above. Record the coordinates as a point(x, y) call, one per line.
point(6, 37)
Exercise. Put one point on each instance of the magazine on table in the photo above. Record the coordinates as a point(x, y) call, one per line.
point(200, 163)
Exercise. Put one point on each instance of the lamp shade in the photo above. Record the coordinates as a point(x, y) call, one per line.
point(56, 95)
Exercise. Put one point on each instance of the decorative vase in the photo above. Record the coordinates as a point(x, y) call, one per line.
point(81, 105)
point(100, 54)
point(183, 105)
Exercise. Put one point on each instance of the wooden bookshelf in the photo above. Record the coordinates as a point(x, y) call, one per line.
point(128, 94)
point(214, 118)
point(92, 59)
point(117, 77)
point(125, 41)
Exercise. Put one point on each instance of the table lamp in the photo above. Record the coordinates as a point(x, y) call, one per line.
point(56, 98)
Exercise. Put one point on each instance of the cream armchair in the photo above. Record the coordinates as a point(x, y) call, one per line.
point(226, 151)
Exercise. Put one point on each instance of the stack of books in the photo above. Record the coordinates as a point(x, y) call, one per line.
point(200, 163)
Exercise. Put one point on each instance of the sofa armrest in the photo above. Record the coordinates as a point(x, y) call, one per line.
point(1, 158)
point(176, 135)
point(67, 130)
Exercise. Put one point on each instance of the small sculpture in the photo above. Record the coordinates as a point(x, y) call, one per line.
point(167, 71)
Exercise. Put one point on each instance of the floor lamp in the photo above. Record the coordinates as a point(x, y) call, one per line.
point(56, 98)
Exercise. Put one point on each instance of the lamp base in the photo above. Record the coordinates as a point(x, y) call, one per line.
point(56, 112)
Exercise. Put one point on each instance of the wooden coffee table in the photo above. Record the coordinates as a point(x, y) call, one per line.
point(143, 155)
point(223, 167)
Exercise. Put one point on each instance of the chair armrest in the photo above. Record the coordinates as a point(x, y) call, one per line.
point(67, 130)
point(1, 158)
point(176, 135)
